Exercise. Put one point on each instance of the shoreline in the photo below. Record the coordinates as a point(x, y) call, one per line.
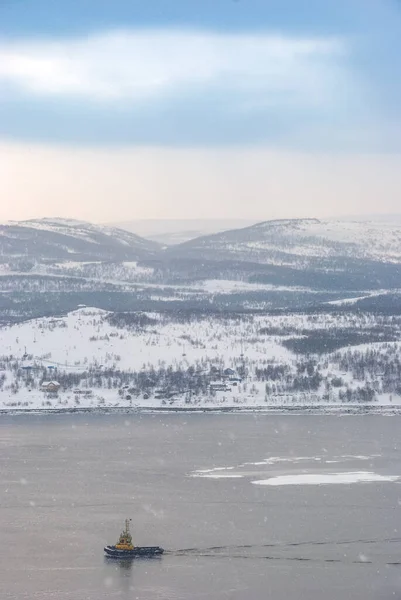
point(318, 410)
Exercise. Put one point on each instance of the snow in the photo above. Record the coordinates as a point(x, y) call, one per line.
point(73, 264)
point(71, 346)
point(279, 459)
point(226, 286)
point(327, 478)
point(78, 230)
point(372, 346)
point(220, 476)
point(370, 294)
point(5, 269)
point(282, 242)
point(116, 273)
point(85, 340)
point(71, 227)
point(242, 469)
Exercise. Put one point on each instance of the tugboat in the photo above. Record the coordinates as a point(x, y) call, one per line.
point(125, 548)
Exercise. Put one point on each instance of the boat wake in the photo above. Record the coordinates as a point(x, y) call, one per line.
point(290, 544)
point(257, 552)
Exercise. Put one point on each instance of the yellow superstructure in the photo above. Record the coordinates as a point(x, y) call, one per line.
point(125, 541)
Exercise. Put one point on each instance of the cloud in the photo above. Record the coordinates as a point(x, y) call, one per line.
point(137, 66)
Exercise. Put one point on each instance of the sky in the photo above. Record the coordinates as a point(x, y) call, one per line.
point(255, 109)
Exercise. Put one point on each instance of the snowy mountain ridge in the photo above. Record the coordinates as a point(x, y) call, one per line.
point(295, 241)
point(75, 262)
point(59, 239)
point(291, 242)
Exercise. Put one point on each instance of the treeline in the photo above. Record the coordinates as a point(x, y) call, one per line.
point(320, 341)
point(381, 367)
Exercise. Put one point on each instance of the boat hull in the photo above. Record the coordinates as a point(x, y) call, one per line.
point(137, 552)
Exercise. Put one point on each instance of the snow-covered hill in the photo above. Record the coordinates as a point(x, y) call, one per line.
point(97, 358)
point(293, 242)
point(47, 240)
point(49, 266)
point(301, 243)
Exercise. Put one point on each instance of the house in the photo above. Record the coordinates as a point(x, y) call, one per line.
point(217, 386)
point(50, 386)
point(228, 372)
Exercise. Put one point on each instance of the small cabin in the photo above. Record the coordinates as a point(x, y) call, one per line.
point(50, 386)
point(219, 387)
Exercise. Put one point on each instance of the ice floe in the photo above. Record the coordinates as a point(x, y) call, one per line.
point(326, 478)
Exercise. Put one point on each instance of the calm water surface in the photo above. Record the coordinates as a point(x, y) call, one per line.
point(68, 482)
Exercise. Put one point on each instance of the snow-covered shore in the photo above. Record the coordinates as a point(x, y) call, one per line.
point(151, 362)
point(338, 410)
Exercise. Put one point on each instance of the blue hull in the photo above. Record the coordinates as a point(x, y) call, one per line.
point(144, 551)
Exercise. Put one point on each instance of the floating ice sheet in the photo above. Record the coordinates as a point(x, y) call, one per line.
point(326, 478)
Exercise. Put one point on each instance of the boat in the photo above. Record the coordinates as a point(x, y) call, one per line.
point(126, 549)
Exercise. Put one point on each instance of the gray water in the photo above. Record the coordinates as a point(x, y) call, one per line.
point(68, 482)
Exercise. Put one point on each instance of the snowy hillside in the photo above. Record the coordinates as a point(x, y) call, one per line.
point(47, 240)
point(51, 266)
point(94, 358)
point(294, 242)
point(299, 242)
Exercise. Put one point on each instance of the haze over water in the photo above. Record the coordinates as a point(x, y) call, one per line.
point(69, 481)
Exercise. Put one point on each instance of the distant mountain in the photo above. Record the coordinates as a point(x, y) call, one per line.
point(300, 243)
point(296, 243)
point(170, 232)
point(49, 240)
point(49, 266)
